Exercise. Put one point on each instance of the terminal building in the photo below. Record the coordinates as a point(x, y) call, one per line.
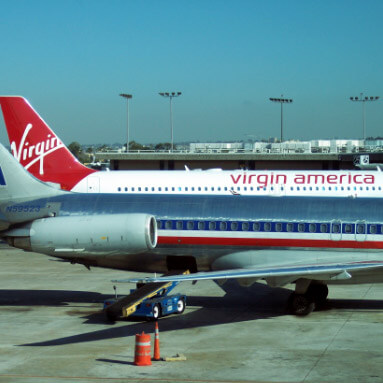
point(299, 155)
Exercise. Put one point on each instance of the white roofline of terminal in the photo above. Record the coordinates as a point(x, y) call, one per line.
point(286, 147)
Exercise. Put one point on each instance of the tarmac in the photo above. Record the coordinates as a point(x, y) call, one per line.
point(52, 329)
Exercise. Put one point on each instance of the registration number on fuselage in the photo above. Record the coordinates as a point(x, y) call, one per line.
point(23, 209)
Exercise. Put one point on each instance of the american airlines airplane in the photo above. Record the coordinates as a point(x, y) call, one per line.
point(43, 154)
point(311, 241)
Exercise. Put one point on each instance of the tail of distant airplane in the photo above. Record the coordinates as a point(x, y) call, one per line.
point(37, 147)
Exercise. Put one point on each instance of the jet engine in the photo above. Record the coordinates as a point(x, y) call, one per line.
point(71, 236)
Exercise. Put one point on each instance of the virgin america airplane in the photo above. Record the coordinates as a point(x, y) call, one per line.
point(44, 155)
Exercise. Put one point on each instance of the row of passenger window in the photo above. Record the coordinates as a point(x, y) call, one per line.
point(287, 227)
point(134, 189)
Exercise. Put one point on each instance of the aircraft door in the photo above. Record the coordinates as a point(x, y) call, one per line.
point(336, 230)
point(93, 185)
point(360, 231)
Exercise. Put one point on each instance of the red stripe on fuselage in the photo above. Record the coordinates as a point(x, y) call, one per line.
point(269, 242)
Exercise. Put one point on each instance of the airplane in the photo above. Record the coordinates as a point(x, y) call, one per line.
point(40, 151)
point(311, 242)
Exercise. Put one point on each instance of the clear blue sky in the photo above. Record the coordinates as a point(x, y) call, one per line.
point(71, 59)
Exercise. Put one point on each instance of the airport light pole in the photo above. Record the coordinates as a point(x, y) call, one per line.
point(127, 96)
point(170, 95)
point(363, 100)
point(282, 101)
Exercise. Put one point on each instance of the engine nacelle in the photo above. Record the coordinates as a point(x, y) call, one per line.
point(72, 236)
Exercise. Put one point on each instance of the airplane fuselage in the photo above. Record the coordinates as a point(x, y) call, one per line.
point(204, 232)
point(255, 183)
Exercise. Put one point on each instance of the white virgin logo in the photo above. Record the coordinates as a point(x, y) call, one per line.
point(35, 153)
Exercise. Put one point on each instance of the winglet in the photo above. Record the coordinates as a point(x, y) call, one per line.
point(341, 276)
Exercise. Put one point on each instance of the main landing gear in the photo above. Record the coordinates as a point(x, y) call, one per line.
point(307, 297)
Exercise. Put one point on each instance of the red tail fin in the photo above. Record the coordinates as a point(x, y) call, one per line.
point(37, 147)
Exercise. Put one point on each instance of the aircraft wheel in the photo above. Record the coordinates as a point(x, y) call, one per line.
point(301, 304)
point(318, 293)
point(156, 311)
point(180, 306)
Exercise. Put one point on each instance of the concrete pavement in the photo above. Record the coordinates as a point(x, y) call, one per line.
point(52, 330)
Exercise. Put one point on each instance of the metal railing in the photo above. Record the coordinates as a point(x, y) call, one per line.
point(313, 150)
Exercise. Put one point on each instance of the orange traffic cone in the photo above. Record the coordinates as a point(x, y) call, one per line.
point(156, 354)
point(142, 351)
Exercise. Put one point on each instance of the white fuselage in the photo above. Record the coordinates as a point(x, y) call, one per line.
point(276, 183)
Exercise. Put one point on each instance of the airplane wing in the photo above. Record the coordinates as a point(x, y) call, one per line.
point(276, 276)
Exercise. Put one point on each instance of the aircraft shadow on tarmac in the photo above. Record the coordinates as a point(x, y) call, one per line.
point(239, 304)
point(54, 298)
